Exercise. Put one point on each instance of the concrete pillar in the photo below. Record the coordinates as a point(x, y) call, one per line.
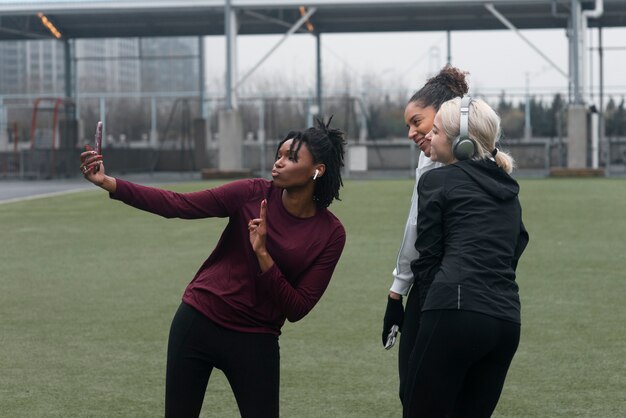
point(576, 136)
point(230, 125)
point(357, 157)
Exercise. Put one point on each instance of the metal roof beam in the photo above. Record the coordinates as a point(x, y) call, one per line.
point(24, 33)
point(509, 25)
point(294, 28)
point(270, 19)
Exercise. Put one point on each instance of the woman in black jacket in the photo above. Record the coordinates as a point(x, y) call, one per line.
point(470, 238)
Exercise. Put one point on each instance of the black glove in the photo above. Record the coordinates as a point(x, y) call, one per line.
point(394, 315)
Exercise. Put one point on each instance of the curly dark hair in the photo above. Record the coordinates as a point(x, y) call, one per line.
point(448, 84)
point(326, 145)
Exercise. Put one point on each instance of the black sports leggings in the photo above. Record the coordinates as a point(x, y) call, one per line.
point(251, 363)
point(459, 364)
point(408, 336)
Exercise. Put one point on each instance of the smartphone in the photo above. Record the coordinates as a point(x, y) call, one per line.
point(391, 337)
point(99, 138)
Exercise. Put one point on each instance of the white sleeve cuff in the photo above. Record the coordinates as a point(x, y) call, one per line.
point(401, 285)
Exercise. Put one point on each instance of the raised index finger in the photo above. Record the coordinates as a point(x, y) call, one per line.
point(263, 210)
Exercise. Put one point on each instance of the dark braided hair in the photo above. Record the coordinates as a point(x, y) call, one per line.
point(448, 84)
point(326, 145)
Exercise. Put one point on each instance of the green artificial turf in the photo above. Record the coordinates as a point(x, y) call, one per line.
point(88, 287)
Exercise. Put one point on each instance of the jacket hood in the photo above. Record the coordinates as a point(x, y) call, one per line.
point(490, 177)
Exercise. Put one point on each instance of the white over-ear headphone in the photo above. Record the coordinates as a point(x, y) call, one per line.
point(317, 172)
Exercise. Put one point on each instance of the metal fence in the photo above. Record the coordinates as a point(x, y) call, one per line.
point(156, 133)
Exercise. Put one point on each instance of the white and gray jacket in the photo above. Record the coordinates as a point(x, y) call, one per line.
point(402, 274)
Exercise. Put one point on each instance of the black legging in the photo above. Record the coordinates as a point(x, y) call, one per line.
point(251, 363)
point(408, 335)
point(459, 364)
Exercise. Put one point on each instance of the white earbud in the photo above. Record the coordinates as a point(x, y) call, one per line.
point(317, 172)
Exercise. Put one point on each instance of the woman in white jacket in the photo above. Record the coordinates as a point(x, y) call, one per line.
point(418, 115)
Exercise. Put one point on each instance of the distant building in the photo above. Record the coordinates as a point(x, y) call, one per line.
point(102, 65)
point(31, 67)
point(12, 67)
point(108, 65)
point(169, 64)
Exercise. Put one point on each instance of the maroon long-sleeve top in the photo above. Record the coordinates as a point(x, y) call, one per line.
point(229, 288)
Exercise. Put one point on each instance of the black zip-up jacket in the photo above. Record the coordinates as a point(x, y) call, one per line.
point(470, 237)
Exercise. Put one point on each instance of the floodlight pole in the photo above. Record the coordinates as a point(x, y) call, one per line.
point(527, 125)
point(318, 73)
point(449, 47)
point(230, 33)
point(67, 55)
point(69, 78)
point(575, 67)
point(601, 135)
point(201, 81)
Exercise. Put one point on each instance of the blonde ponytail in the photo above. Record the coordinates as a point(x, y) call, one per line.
point(505, 161)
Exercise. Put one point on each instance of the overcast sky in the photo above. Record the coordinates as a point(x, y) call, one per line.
point(496, 60)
